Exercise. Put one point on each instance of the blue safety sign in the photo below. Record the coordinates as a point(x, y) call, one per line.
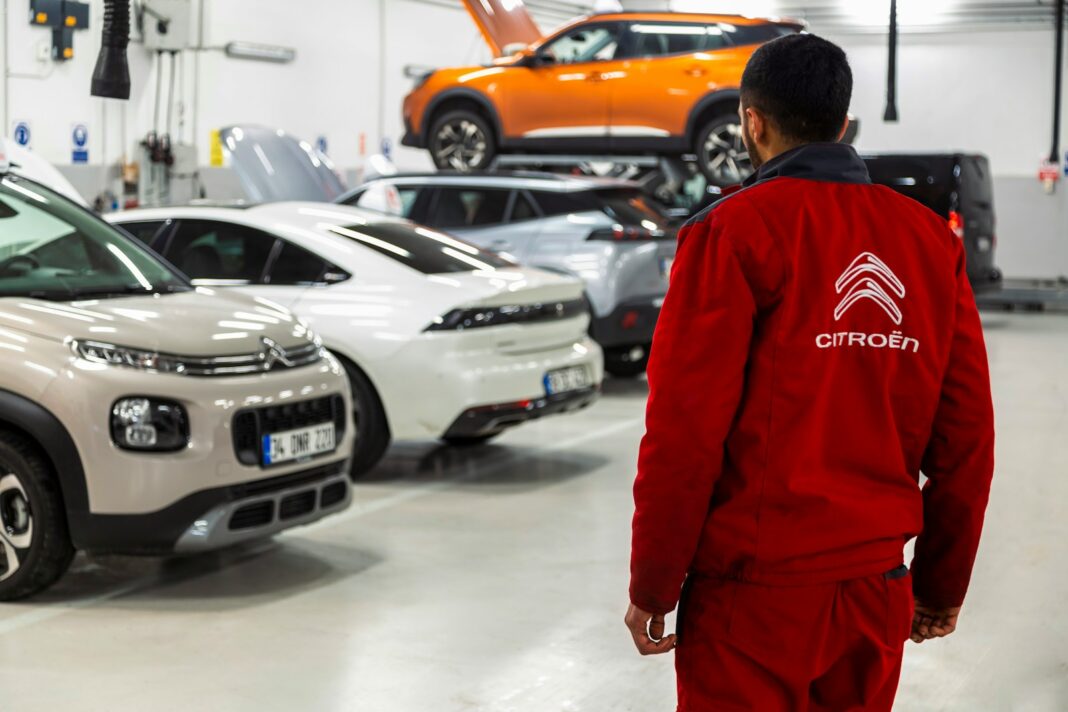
point(79, 144)
point(1066, 163)
point(320, 144)
point(79, 135)
point(387, 147)
point(21, 134)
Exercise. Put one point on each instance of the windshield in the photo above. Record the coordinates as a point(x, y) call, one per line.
point(51, 248)
point(425, 250)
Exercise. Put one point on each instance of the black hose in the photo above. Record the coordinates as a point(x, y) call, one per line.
point(111, 76)
point(1058, 68)
point(891, 67)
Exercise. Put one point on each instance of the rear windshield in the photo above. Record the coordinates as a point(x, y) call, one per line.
point(630, 207)
point(627, 206)
point(425, 250)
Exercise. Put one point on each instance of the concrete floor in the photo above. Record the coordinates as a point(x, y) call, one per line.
point(495, 579)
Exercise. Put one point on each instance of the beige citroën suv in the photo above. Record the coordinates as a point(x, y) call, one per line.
point(139, 414)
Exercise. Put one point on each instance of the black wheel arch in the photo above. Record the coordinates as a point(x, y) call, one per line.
point(458, 98)
point(37, 424)
point(350, 363)
point(710, 105)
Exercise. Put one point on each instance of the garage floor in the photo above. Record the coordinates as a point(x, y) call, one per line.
point(495, 579)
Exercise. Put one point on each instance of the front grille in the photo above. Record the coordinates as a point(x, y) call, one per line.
point(270, 357)
point(250, 425)
point(252, 515)
point(296, 505)
point(332, 494)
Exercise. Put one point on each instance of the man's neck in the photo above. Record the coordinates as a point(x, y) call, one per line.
point(776, 148)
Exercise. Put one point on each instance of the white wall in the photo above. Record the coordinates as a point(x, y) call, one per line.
point(347, 78)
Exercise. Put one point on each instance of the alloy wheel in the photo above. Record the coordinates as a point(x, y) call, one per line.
point(460, 145)
point(16, 525)
point(724, 154)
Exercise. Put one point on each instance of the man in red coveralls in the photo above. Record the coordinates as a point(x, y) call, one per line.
point(818, 348)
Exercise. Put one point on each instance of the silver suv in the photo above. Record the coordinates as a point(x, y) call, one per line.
point(141, 415)
point(606, 232)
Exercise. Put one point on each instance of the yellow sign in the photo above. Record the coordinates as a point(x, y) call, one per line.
point(215, 150)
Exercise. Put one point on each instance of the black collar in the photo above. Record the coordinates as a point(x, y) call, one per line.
point(834, 162)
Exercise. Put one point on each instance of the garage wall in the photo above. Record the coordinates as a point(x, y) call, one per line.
point(344, 82)
point(989, 92)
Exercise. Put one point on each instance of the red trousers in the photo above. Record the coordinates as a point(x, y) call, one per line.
point(832, 647)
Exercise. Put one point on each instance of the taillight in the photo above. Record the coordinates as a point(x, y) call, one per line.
point(956, 223)
point(627, 233)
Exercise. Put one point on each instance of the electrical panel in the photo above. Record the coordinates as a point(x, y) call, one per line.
point(64, 17)
point(166, 24)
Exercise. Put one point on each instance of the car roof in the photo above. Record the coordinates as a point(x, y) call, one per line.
point(300, 222)
point(668, 16)
point(531, 180)
point(300, 214)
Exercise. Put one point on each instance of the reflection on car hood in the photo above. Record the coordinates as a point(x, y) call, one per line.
point(196, 323)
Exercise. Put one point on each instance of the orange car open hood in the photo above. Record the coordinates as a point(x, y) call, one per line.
point(503, 23)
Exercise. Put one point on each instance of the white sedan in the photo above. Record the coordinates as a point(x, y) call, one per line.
point(440, 338)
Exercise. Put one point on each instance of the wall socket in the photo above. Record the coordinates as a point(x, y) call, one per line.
point(44, 51)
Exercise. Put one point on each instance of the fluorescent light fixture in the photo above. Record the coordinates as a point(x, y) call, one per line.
point(260, 52)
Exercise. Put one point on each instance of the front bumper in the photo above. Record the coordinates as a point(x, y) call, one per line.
point(488, 419)
point(224, 516)
point(631, 323)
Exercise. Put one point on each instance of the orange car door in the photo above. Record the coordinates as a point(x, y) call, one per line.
point(671, 66)
point(563, 91)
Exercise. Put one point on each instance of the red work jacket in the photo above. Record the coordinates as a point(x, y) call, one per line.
point(819, 347)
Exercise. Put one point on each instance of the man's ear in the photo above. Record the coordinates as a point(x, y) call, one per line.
point(845, 127)
point(757, 124)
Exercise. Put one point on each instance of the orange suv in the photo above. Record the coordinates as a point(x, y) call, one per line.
point(619, 83)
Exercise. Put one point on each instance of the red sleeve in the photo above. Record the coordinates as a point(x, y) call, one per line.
point(696, 373)
point(958, 462)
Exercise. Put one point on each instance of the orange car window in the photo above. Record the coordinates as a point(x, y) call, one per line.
point(584, 44)
point(664, 39)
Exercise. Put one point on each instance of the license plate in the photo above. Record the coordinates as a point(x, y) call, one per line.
point(563, 380)
point(298, 444)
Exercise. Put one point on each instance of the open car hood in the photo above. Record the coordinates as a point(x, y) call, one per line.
point(503, 23)
point(273, 165)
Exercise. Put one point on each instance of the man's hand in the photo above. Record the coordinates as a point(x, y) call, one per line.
point(929, 622)
point(648, 632)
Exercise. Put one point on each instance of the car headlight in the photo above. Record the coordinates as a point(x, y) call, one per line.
point(143, 423)
point(97, 352)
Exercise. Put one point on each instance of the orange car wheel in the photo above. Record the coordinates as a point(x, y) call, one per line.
point(721, 152)
point(461, 140)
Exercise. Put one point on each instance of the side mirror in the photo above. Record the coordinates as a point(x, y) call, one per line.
point(515, 48)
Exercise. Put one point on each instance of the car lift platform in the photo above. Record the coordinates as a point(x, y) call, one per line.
point(1027, 294)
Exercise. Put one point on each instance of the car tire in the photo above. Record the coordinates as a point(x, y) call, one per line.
point(625, 361)
point(372, 428)
point(470, 440)
point(461, 140)
point(35, 546)
point(721, 153)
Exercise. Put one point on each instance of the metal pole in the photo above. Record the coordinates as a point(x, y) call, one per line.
point(1058, 71)
point(891, 68)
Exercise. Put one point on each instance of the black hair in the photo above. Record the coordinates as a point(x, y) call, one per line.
point(803, 84)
